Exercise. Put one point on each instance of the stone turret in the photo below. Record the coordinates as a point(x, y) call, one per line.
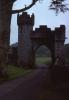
point(25, 26)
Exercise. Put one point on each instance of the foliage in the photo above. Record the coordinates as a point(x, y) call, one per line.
point(14, 72)
point(43, 51)
point(43, 55)
point(59, 6)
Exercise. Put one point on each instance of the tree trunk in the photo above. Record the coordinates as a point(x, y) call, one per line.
point(5, 20)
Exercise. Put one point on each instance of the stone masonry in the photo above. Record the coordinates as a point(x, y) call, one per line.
point(30, 40)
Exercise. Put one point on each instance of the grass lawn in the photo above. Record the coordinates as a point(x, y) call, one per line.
point(43, 60)
point(14, 72)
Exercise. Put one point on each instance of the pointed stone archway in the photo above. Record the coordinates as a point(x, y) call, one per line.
point(43, 57)
point(41, 38)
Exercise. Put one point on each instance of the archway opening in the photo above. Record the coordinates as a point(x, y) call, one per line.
point(43, 56)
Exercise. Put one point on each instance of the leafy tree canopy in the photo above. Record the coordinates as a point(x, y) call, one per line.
point(59, 6)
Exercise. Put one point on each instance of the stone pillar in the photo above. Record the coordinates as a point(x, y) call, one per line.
point(57, 73)
point(5, 20)
point(59, 45)
point(25, 26)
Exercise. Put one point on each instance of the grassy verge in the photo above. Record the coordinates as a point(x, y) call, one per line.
point(15, 72)
point(43, 60)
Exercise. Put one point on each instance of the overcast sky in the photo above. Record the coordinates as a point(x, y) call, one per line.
point(43, 16)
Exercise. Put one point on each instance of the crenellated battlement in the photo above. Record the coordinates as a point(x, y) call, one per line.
point(25, 19)
point(60, 29)
point(42, 29)
point(58, 32)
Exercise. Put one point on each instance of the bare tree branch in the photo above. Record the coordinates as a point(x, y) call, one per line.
point(24, 9)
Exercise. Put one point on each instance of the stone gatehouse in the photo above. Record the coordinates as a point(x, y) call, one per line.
point(30, 40)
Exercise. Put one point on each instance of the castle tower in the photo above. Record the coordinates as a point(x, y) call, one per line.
point(25, 26)
point(59, 43)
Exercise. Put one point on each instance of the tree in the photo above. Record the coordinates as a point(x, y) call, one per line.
point(59, 6)
point(5, 20)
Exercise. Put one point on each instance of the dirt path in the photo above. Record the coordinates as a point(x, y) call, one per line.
point(34, 86)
